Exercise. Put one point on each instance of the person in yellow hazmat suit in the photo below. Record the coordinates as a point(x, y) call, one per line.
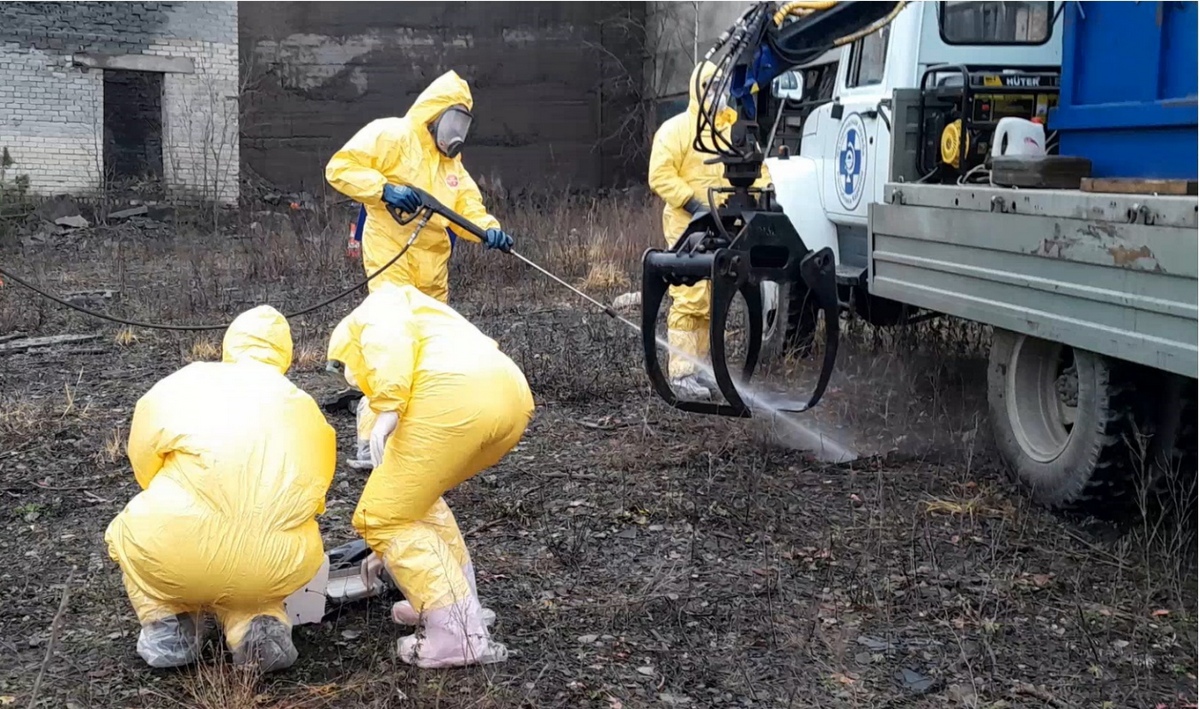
point(234, 463)
point(423, 149)
point(449, 404)
point(679, 176)
point(376, 167)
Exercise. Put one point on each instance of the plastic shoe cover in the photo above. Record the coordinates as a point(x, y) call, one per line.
point(404, 614)
point(705, 378)
point(268, 643)
point(690, 388)
point(452, 637)
point(171, 642)
point(469, 571)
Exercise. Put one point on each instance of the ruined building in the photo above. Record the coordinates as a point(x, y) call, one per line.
point(96, 94)
point(199, 96)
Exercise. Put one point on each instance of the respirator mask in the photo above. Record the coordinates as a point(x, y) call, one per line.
point(450, 130)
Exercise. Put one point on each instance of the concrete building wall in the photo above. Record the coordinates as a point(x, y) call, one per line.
point(555, 84)
point(53, 60)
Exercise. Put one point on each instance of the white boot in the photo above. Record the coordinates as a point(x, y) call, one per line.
point(452, 637)
point(404, 614)
point(690, 388)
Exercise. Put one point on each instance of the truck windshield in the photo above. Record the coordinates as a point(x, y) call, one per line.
point(972, 22)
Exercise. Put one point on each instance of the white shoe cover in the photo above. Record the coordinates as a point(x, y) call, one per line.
point(404, 614)
point(690, 388)
point(452, 637)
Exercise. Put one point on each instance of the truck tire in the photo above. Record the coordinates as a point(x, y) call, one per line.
point(790, 331)
point(787, 333)
point(1075, 458)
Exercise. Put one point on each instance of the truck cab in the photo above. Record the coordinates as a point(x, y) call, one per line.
point(827, 179)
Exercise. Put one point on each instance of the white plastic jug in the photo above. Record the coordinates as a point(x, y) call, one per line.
point(1018, 136)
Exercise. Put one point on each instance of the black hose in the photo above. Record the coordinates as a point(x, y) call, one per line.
point(206, 328)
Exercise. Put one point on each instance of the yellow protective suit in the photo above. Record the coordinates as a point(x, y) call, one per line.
point(234, 463)
point(678, 174)
point(402, 151)
point(463, 405)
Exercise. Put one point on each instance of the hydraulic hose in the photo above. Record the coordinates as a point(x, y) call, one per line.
point(206, 328)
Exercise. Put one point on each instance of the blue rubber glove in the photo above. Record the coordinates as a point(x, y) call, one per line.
point(497, 239)
point(402, 197)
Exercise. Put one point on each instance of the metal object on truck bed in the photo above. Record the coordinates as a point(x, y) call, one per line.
point(1113, 274)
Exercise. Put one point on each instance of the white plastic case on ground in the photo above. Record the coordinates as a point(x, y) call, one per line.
point(308, 604)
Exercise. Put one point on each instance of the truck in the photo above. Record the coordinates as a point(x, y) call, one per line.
point(910, 193)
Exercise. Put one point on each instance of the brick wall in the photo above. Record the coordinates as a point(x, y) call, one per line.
point(51, 108)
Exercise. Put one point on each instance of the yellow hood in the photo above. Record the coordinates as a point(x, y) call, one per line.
point(261, 335)
point(445, 91)
point(704, 71)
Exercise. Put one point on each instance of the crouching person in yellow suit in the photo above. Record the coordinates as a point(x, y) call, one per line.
point(448, 404)
point(234, 463)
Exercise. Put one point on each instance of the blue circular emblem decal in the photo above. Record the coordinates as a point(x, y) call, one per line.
point(851, 161)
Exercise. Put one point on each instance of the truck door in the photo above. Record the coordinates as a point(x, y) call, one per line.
point(858, 144)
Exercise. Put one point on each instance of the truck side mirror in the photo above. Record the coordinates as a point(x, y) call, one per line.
point(788, 87)
point(837, 110)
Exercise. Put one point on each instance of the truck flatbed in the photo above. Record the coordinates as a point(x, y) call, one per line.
point(1114, 274)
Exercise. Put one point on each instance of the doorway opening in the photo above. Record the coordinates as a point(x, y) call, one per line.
point(133, 127)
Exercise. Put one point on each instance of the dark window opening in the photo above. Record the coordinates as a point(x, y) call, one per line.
point(868, 57)
point(133, 133)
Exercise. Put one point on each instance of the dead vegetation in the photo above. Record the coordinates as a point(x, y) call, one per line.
point(637, 557)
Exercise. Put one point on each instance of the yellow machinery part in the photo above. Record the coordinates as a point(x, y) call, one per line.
point(952, 143)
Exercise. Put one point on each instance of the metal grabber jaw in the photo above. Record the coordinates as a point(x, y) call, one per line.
point(737, 254)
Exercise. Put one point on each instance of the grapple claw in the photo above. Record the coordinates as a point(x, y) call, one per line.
point(766, 248)
point(661, 270)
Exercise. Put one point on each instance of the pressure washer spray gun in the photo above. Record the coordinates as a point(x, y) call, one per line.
point(431, 206)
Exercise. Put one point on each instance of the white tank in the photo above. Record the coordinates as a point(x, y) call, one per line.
point(1018, 136)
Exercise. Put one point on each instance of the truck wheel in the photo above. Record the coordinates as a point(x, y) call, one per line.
point(1063, 422)
point(790, 323)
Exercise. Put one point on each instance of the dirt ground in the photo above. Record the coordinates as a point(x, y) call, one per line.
point(636, 557)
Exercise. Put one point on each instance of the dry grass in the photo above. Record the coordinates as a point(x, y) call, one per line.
point(972, 506)
point(125, 337)
point(204, 351)
point(20, 418)
point(114, 446)
point(309, 357)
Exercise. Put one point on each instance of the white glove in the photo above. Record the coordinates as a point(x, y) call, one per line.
point(370, 569)
point(362, 459)
point(385, 423)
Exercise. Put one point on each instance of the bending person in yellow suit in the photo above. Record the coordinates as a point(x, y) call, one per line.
point(449, 404)
point(234, 463)
point(679, 175)
point(376, 167)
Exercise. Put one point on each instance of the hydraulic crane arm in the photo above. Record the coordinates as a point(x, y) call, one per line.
point(759, 47)
point(746, 239)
